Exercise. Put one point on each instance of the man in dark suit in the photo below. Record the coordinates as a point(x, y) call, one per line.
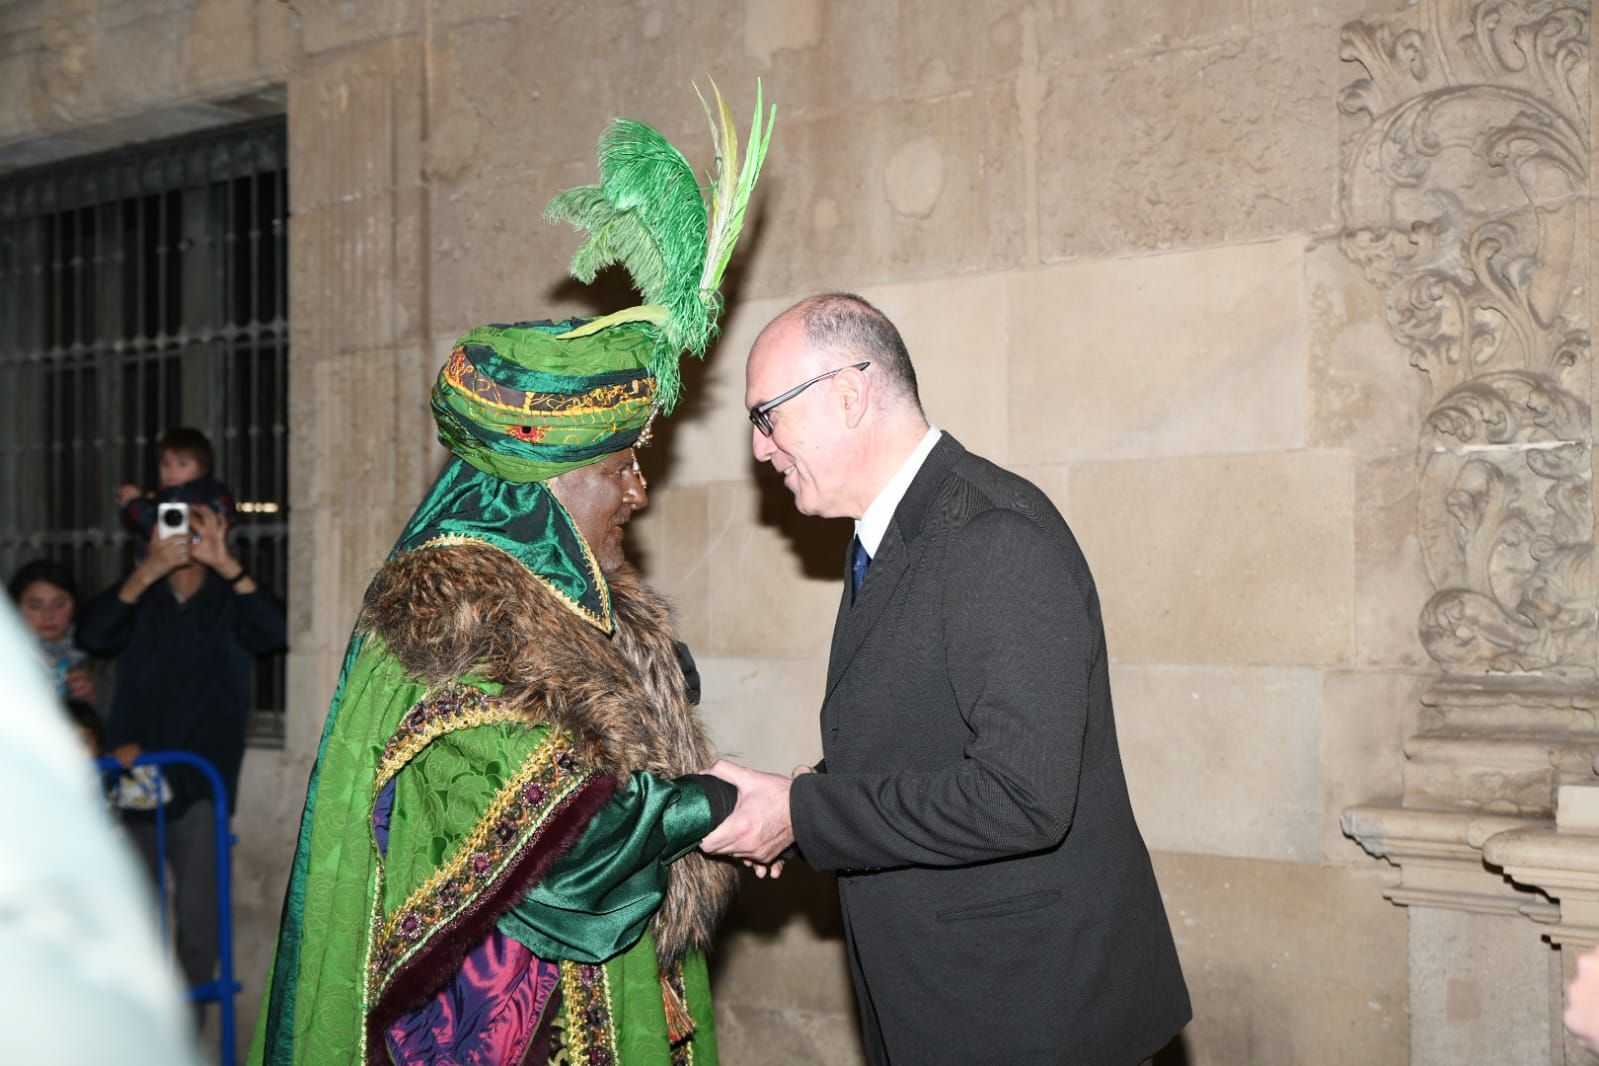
point(998, 900)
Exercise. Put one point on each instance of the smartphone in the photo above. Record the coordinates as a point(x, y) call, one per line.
point(172, 520)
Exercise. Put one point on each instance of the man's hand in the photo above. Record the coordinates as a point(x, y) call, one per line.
point(211, 546)
point(211, 540)
point(759, 827)
point(166, 554)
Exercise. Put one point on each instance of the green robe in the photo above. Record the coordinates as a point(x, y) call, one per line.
point(495, 825)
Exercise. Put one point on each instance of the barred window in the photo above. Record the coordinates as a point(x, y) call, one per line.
point(142, 290)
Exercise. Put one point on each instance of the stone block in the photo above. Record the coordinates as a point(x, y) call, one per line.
point(493, 259)
point(267, 824)
point(891, 193)
point(20, 23)
point(1391, 583)
point(277, 36)
point(1222, 760)
point(1160, 355)
point(442, 14)
point(1365, 720)
point(1224, 143)
point(18, 120)
point(814, 57)
point(1231, 559)
point(1365, 395)
point(360, 453)
point(1480, 989)
point(524, 94)
point(1276, 14)
point(127, 80)
point(759, 542)
point(958, 45)
point(781, 946)
point(762, 1034)
point(708, 437)
point(763, 713)
point(956, 332)
point(670, 537)
point(313, 673)
point(67, 91)
point(1287, 963)
point(326, 25)
point(231, 43)
point(354, 125)
point(355, 280)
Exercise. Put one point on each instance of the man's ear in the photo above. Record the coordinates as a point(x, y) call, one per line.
point(855, 388)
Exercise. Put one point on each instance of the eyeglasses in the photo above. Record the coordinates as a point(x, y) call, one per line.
point(760, 416)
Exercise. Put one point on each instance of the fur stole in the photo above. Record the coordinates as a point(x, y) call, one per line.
point(448, 611)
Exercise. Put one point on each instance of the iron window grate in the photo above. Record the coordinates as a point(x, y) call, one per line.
point(141, 290)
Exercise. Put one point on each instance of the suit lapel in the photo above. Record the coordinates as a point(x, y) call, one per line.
point(891, 561)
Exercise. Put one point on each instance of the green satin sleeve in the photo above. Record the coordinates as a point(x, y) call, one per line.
point(595, 902)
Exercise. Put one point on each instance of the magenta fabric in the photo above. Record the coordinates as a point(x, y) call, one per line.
point(488, 1013)
point(491, 1009)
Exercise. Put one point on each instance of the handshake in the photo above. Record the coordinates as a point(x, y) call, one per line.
point(760, 831)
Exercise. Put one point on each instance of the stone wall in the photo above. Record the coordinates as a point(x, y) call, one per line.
point(1111, 234)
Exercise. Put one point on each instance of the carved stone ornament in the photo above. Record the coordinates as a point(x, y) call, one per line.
point(1464, 201)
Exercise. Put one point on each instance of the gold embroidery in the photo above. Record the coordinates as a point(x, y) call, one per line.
point(518, 813)
point(444, 711)
point(590, 1020)
point(598, 401)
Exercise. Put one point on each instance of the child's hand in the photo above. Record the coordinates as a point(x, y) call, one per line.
point(126, 494)
point(126, 753)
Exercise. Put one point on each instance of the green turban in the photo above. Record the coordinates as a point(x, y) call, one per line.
point(523, 404)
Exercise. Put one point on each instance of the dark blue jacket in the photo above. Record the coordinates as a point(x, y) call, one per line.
point(183, 672)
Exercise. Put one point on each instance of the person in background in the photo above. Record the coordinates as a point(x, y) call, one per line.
point(184, 464)
point(185, 627)
point(47, 598)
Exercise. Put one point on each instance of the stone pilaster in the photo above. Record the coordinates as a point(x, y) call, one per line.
point(1465, 201)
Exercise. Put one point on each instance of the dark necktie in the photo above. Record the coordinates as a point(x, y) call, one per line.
point(859, 560)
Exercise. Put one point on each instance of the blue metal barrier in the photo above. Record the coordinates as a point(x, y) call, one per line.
point(224, 987)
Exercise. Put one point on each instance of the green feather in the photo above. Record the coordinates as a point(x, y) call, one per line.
point(649, 214)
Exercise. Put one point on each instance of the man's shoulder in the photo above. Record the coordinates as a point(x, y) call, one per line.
point(982, 499)
point(987, 486)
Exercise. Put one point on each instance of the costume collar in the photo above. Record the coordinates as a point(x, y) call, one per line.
point(525, 521)
point(874, 523)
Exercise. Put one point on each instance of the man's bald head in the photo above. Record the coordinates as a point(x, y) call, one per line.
point(840, 326)
point(833, 380)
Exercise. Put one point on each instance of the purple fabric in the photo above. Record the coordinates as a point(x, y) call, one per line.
point(489, 1010)
point(382, 811)
point(487, 1013)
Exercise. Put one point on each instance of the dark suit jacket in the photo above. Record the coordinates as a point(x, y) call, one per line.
point(998, 900)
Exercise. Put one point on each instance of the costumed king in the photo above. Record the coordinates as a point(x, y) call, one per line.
point(496, 860)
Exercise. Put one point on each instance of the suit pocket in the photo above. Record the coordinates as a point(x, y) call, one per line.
point(1000, 908)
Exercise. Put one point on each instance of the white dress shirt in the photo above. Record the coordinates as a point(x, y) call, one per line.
point(874, 523)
